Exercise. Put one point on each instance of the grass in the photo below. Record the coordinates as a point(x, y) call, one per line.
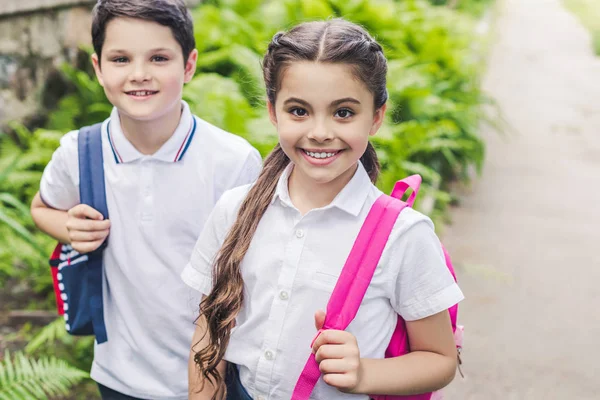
point(588, 12)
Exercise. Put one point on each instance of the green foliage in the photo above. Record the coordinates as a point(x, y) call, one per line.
point(472, 7)
point(24, 250)
point(23, 378)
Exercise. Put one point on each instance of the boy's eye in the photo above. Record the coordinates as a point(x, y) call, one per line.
point(298, 112)
point(344, 113)
point(120, 59)
point(159, 58)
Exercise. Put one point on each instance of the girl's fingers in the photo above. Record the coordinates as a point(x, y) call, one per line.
point(331, 351)
point(343, 382)
point(336, 366)
point(332, 336)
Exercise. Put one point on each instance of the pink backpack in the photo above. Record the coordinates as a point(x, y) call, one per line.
point(354, 281)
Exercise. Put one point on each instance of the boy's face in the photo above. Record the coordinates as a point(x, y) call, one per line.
point(142, 68)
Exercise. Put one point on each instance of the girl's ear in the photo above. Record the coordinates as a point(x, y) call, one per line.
point(378, 119)
point(272, 114)
point(97, 69)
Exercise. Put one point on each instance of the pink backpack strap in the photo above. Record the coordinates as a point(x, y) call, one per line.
point(354, 280)
point(413, 182)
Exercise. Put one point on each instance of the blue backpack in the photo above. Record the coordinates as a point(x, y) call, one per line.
point(78, 277)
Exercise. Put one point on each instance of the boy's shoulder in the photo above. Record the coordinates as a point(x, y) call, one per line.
point(215, 138)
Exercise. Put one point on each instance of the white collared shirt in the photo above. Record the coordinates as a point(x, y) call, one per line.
point(290, 271)
point(157, 206)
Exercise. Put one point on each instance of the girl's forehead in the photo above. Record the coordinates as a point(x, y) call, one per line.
point(317, 81)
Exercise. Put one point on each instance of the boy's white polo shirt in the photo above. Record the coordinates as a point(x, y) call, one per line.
point(157, 206)
point(291, 268)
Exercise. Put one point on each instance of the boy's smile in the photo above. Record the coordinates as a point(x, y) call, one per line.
point(142, 70)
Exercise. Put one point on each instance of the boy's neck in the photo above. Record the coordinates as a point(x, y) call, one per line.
point(149, 136)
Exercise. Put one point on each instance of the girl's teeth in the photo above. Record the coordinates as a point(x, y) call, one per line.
point(320, 155)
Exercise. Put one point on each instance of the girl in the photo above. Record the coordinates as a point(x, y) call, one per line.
point(270, 254)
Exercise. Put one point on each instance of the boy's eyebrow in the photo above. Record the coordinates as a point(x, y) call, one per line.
point(157, 50)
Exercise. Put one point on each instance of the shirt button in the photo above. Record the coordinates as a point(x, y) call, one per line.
point(299, 233)
point(269, 355)
point(283, 295)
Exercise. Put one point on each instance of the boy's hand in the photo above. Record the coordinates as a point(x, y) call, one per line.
point(338, 357)
point(87, 228)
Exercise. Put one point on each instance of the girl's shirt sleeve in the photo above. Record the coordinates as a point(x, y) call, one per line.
point(421, 283)
point(198, 272)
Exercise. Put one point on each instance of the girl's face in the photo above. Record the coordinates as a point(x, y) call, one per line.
point(324, 116)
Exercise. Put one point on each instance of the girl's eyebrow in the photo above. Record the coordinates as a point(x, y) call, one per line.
point(333, 103)
point(345, 100)
point(296, 100)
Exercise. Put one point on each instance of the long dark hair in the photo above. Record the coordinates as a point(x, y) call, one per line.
point(334, 41)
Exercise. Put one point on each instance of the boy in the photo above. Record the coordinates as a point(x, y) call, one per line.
point(164, 171)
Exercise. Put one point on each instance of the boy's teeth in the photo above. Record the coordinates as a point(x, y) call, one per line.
point(142, 93)
point(320, 155)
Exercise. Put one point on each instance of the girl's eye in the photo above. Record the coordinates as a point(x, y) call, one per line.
point(159, 58)
point(344, 113)
point(120, 60)
point(298, 112)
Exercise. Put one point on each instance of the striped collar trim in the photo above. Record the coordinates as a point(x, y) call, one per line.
point(186, 142)
point(173, 150)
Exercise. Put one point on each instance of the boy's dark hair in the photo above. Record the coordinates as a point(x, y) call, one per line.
point(171, 13)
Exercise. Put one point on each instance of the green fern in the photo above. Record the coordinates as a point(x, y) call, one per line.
point(49, 334)
point(23, 378)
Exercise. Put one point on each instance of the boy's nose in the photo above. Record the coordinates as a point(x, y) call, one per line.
point(139, 74)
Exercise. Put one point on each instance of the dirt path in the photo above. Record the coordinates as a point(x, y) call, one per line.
point(527, 236)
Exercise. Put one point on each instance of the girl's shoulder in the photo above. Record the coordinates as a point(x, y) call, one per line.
point(231, 200)
point(413, 228)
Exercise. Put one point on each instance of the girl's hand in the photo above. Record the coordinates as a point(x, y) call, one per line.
point(338, 357)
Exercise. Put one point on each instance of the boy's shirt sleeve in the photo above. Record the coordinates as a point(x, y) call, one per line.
point(422, 285)
point(59, 187)
point(198, 272)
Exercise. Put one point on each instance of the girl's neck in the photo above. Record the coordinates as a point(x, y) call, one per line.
point(149, 136)
point(306, 194)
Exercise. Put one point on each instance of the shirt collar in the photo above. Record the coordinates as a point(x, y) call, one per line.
point(351, 199)
point(172, 150)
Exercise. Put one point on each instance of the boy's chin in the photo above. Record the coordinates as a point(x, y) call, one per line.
point(140, 113)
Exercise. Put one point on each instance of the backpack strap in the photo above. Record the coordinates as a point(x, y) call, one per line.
point(413, 182)
point(92, 193)
point(354, 280)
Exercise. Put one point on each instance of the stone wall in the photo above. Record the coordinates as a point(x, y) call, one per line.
point(36, 37)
